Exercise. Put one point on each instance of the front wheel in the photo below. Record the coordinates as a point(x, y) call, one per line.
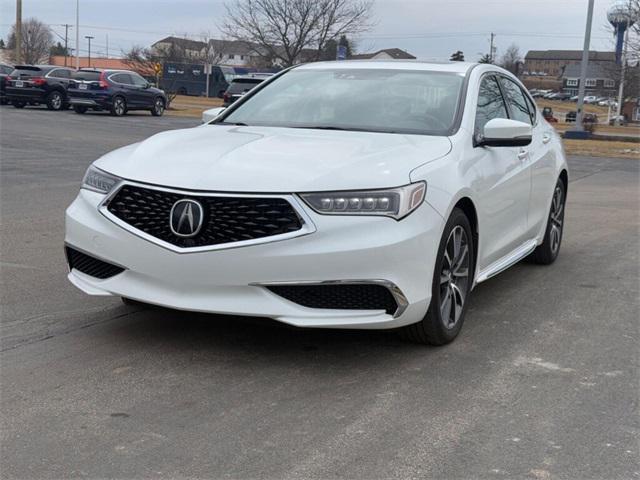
point(547, 252)
point(18, 104)
point(451, 285)
point(158, 107)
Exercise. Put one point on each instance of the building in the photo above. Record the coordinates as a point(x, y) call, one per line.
point(631, 110)
point(232, 53)
point(600, 80)
point(95, 62)
point(385, 54)
point(553, 62)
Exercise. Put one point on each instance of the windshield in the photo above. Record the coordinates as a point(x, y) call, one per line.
point(377, 100)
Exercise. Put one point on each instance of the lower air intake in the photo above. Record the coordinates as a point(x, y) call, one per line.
point(339, 296)
point(91, 266)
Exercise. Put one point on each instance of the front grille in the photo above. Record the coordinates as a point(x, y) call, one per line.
point(225, 219)
point(90, 265)
point(339, 296)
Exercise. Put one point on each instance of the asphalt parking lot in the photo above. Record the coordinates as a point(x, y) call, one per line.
point(542, 383)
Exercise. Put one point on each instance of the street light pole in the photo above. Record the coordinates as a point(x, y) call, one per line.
point(77, 34)
point(89, 37)
point(624, 68)
point(583, 70)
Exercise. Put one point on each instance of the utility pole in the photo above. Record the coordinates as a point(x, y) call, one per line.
point(66, 42)
point(18, 31)
point(89, 37)
point(107, 55)
point(77, 34)
point(493, 35)
point(583, 73)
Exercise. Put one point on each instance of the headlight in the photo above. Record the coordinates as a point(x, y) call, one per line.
point(99, 181)
point(395, 202)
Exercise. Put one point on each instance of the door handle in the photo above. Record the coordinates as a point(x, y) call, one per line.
point(546, 138)
point(523, 154)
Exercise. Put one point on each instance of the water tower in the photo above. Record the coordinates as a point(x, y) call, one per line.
point(620, 18)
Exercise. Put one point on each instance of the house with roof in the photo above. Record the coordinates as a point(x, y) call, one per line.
point(601, 80)
point(553, 62)
point(233, 53)
point(385, 54)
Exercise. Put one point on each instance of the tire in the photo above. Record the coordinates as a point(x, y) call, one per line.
point(547, 252)
point(449, 287)
point(18, 104)
point(55, 101)
point(119, 107)
point(80, 109)
point(158, 107)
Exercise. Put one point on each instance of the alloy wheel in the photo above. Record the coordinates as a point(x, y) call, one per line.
point(119, 106)
point(56, 101)
point(556, 218)
point(159, 106)
point(454, 277)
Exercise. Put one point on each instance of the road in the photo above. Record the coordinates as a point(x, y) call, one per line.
point(542, 383)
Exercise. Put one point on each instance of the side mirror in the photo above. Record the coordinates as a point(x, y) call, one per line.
point(211, 114)
point(147, 85)
point(502, 132)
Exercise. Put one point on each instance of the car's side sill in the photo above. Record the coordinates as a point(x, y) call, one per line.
point(508, 260)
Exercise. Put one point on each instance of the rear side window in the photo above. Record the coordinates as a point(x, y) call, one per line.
point(6, 69)
point(240, 85)
point(517, 102)
point(490, 103)
point(86, 76)
point(123, 78)
point(60, 73)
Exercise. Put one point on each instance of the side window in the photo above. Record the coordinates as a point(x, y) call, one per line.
point(516, 100)
point(121, 78)
point(138, 81)
point(60, 73)
point(532, 108)
point(490, 103)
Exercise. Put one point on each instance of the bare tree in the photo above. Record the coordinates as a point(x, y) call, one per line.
point(511, 59)
point(285, 30)
point(37, 40)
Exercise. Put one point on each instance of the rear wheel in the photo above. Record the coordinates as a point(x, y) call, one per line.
point(55, 101)
point(18, 104)
point(451, 285)
point(80, 109)
point(158, 107)
point(119, 107)
point(547, 252)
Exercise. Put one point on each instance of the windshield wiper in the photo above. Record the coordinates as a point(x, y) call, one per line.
point(237, 124)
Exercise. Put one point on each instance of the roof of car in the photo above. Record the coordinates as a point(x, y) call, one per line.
point(455, 67)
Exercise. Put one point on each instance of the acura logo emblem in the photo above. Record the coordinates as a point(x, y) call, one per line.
point(186, 218)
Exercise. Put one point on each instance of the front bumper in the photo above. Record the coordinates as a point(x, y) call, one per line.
point(235, 280)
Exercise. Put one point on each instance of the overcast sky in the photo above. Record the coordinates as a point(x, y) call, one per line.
point(429, 29)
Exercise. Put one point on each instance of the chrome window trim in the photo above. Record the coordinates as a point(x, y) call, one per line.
point(307, 227)
point(398, 295)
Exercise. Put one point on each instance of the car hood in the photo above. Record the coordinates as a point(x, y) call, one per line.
point(270, 159)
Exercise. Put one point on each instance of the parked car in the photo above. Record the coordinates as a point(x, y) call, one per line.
point(116, 91)
point(574, 98)
point(618, 120)
point(240, 86)
point(39, 84)
point(591, 118)
point(562, 96)
point(547, 113)
point(5, 71)
point(590, 99)
point(358, 211)
point(608, 102)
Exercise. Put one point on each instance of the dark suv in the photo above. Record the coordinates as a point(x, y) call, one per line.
point(116, 91)
point(239, 86)
point(5, 70)
point(37, 84)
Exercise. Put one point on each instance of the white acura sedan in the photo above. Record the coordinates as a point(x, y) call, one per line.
point(340, 194)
